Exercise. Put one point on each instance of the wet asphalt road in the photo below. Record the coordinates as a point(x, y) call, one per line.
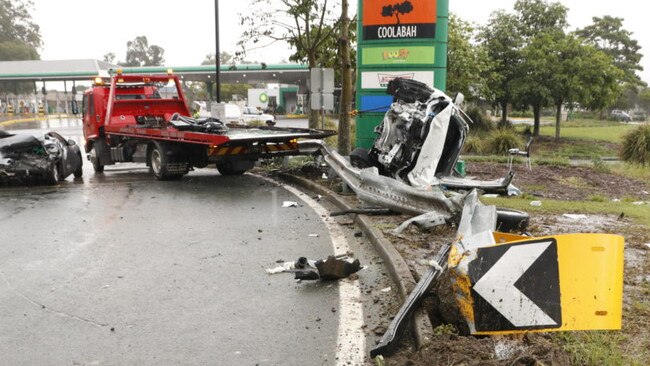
point(122, 269)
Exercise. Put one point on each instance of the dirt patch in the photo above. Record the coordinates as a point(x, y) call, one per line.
point(568, 183)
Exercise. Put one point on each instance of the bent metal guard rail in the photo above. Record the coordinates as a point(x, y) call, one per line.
point(384, 191)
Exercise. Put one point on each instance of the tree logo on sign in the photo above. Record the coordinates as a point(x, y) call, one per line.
point(397, 9)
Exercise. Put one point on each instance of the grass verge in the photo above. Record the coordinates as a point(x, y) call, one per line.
point(639, 214)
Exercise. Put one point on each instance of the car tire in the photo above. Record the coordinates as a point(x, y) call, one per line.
point(53, 175)
point(270, 123)
point(79, 171)
point(225, 168)
point(360, 158)
point(94, 159)
point(509, 221)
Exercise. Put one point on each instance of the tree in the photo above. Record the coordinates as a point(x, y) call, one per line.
point(531, 88)
point(582, 75)
point(20, 39)
point(502, 42)
point(540, 25)
point(607, 34)
point(302, 23)
point(17, 25)
point(109, 57)
point(225, 58)
point(467, 64)
point(139, 53)
point(644, 99)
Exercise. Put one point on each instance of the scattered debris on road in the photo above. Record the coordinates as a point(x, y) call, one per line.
point(286, 204)
point(329, 269)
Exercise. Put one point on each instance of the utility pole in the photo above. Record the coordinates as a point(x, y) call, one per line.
point(346, 88)
point(217, 55)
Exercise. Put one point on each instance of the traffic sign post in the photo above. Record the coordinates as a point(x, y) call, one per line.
point(322, 91)
point(557, 283)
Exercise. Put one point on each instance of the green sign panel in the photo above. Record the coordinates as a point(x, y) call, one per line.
point(398, 55)
point(397, 39)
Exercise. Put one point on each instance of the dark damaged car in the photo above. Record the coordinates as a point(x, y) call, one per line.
point(26, 159)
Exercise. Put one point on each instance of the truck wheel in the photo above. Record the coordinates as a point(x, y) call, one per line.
point(52, 176)
point(158, 163)
point(94, 159)
point(226, 168)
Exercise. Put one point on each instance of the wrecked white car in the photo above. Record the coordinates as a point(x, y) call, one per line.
point(49, 158)
point(420, 140)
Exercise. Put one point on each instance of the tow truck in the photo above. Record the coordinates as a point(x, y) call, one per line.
point(146, 119)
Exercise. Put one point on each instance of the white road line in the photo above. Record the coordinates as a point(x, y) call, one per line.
point(351, 342)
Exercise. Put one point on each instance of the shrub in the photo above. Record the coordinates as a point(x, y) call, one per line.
point(501, 140)
point(635, 147)
point(481, 122)
point(473, 145)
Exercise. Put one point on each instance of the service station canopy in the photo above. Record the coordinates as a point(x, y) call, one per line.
point(86, 70)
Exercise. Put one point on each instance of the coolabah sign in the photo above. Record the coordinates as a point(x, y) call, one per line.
point(380, 79)
point(399, 19)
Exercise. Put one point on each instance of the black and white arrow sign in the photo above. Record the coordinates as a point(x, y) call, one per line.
point(516, 287)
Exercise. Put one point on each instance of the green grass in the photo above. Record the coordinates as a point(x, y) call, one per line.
point(502, 159)
point(632, 170)
point(640, 214)
point(607, 133)
point(595, 348)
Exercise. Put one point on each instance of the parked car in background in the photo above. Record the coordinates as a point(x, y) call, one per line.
point(619, 115)
point(251, 114)
point(49, 158)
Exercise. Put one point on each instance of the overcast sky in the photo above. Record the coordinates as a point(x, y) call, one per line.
point(74, 29)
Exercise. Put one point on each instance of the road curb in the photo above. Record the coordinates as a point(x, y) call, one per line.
point(421, 327)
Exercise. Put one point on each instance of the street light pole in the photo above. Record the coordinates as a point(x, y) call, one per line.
point(217, 54)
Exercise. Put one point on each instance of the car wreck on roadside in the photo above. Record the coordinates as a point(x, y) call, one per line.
point(420, 140)
point(27, 159)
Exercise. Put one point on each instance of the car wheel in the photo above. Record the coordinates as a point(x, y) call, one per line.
point(79, 171)
point(53, 175)
point(270, 123)
point(94, 159)
point(226, 168)
point(360, 158)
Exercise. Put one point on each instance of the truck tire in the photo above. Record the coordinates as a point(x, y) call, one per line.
point(158, 163)
point(94, 159)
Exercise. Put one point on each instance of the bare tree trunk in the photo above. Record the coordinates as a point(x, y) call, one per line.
point(346, 90)
point(558, 118)
point(504, 114)
point(313, 114)
point(537, 111)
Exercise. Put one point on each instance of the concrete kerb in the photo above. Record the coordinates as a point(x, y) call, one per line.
point(398, 269)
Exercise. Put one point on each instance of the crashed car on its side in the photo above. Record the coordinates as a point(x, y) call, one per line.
point(420, 140)
point(50, 158)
